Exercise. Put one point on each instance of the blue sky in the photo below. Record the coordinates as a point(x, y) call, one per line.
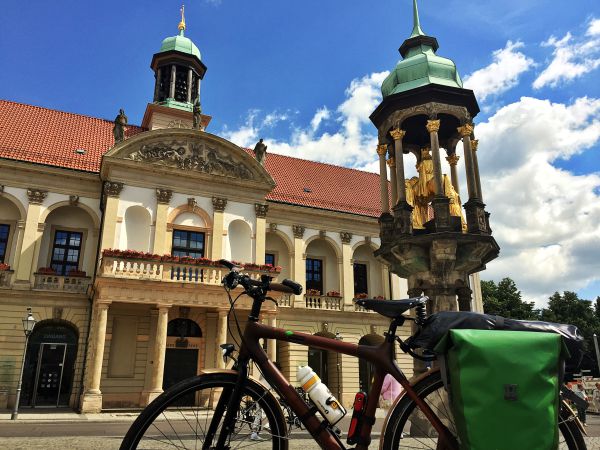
point(305, 76)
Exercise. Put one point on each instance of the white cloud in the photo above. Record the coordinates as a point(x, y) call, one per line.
point(546, 220)
point(572, 57)
point(502, 74)
point(594, 28)
point(321, 115)
point(353, 144)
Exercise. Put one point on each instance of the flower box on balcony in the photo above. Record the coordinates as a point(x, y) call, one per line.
point(313, 292)
point(46, 271)
point(361, 295)
point(379, 297)
point(333, 294)
point(77, 273)
point(4, 267)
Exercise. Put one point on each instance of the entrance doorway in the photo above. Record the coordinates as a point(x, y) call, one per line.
point(49, 365)
point(180, 363)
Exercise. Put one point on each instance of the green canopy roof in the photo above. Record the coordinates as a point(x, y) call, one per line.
point(420, 66)
point(180, 43)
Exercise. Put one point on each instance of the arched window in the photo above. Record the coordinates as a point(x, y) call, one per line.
point(183, 328)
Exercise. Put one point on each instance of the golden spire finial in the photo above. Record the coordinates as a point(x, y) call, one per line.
point(181, 25)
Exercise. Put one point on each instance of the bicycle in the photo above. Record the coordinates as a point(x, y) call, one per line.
point(419, 418)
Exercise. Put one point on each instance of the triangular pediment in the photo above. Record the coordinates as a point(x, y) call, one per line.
point(192, 153)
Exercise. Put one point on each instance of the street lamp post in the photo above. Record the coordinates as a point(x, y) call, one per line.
point(28, 324)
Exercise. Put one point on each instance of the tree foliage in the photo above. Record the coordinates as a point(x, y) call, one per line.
point(504, 299)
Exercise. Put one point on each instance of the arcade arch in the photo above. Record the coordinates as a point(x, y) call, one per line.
point(322, 265)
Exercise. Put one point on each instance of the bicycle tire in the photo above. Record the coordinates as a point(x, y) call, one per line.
point(162, 421)
point(570, 435)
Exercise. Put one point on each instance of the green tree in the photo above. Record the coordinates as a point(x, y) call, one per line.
point(569, 308)
point(504, 299)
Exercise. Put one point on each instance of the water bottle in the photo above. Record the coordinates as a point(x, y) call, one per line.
point(325, 402)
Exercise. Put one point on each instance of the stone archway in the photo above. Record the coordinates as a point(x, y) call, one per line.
point(50, 364)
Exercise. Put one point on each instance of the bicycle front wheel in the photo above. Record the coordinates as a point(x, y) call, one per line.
point(164, 424)
point(408, 428)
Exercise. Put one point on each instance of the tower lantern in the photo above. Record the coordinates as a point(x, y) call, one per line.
point(178, 72)
point(425, 236)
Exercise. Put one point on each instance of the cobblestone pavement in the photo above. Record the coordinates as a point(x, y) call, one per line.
point(104, 443)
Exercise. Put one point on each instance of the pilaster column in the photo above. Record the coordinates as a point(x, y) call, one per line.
point(272, 343)
point(261, 232)
point(112, 191)
point(163, 198)
point(219, 205)
point(433, 127)
point(19, 240)
point(299, 263)
point(221, 336)
point(91, 401)
point(385, 204)
point(465, 131)
point(398, 135)
point(474, 145)
point(347, 271)
point(31, 236)
point(158, 352)
point(452, 159)
point(189, 86)
point(172, 82)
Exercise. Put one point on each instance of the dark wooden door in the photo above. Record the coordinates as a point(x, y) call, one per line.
point(180, 363)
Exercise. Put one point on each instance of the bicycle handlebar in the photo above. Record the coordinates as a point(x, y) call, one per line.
point(233, 278)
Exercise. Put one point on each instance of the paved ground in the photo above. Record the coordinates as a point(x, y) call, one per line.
point(66, 430)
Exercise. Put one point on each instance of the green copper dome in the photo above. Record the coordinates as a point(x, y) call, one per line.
point(420, 66)
point(181, 44)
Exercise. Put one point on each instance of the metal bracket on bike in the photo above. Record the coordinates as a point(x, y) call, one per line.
point(406, 349)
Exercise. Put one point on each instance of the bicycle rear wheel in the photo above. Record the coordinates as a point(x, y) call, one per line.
point(408, 428)
point(166, 425)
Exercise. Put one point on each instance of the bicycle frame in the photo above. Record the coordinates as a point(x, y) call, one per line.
point(382, 358)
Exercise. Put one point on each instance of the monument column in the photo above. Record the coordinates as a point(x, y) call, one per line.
point(381, 151)
point(465, 132)
point(393, 181)
point(398, 135)
point(433, 127)
point(452, 159)
point(474, 145)
point(172, 83)
point(91, 402)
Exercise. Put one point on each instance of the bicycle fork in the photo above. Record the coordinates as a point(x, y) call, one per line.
point(230, 399)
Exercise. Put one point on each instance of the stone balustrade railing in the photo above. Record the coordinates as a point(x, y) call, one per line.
point(285, 301)
point(6, 278)
point(49, 282)
point(140, 269)
point(323, 302)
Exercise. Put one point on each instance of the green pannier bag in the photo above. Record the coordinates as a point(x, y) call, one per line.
point(503, 387)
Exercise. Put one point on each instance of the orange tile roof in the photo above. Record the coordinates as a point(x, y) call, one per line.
point(45, 136)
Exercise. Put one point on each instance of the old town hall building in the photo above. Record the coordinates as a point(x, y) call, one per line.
point(110, 233)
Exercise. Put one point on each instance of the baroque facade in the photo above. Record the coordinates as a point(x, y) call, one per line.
point(110, 232)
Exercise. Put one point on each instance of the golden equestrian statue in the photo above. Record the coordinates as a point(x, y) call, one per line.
point(421, 190)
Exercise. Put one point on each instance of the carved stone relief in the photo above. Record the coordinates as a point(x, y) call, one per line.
point(193, 156)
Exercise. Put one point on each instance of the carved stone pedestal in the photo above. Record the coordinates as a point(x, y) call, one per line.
point(477, 221)
point(386, 227)
point(91, 403)
point(403, 218)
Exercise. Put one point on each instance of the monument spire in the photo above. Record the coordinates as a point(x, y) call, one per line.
point(417, 31)
point(181, 25)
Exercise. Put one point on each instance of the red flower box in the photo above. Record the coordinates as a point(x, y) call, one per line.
point(4, 267)
point(46, 271)
point(361, 295)
point(77, 273)
point(333, 294)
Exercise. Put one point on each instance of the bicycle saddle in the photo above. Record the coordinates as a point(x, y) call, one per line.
point(391, 308)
